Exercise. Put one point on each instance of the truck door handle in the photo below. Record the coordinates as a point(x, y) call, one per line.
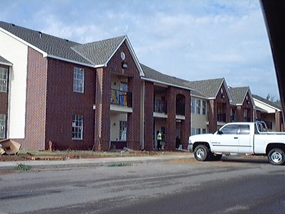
point(235, 137)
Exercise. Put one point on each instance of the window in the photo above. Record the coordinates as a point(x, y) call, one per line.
point(204, 107)
point(230, 129)
point(193, 106)
point(244, 129)
point(77, 127)
point(3, 79)
point(198, 106)
point(2, 126)
point(123, 130)
point(78, 80)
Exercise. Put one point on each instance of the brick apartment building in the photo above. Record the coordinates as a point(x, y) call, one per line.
point(83, 96)
point(99, 96)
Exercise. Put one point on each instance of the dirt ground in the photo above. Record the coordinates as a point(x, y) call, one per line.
point(36, 155)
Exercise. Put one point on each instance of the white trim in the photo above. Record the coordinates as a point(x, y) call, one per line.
point(6, 63)
point(22, 41)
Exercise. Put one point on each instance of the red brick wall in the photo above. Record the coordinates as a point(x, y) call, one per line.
point(62, 103)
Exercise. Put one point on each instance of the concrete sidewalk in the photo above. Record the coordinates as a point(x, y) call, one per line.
point(44, 164)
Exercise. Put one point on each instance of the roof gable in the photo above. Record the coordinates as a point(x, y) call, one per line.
point(238, 94)
point(99, 53)
point(209, 88)
point(4, 61)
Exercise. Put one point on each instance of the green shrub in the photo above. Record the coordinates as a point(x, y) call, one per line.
point(22, 167)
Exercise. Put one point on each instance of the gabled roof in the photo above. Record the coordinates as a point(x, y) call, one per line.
point(238, 94)
point(209, 88)
point(46, 44)
point(267, 102)
point(95, 54)
point(155, 76)
point(4, 61)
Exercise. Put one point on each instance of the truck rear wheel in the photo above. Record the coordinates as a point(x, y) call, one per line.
point(276, 156)
point(201, 153)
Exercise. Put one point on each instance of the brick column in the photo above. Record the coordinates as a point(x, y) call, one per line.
point(186, 124)
point(212, 116)
point(148, 116)
point(133, 130)
point(102, 111)
point(170, 131)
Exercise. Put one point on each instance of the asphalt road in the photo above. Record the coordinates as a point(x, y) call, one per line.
point(236, 185)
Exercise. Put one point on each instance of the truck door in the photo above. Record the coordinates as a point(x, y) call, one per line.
point(244, 139)
point(226, 139)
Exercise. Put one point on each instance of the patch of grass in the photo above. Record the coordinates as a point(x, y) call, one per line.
point(119, 164)
point(22, 167)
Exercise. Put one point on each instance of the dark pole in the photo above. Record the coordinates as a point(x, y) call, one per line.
point(274, 17)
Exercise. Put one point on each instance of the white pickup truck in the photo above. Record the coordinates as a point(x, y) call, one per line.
point(240, 138)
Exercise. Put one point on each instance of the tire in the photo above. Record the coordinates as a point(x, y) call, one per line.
point(201, 153)
point(276, 156)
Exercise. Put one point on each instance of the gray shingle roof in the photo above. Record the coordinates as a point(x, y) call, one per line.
point(4, 61)
point(98, 53)
point(238, 94)
point(51, 45)
point(154, 75)
point(275, 105)
point(208, 88)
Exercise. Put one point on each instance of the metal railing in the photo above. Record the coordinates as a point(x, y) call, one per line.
point(160, 106)
point(122, 98)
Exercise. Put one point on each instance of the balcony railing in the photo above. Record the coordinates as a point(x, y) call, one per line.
point(221, 117)
point(160, 106)
point(180, 108)
point(122, 98)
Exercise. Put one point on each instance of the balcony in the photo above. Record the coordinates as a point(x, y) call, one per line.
point(160, 106)
point(121, 98)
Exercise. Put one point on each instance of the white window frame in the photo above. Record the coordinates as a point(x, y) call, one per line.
point(123, 130)
point(2, 126)
point(78, 80)
point(77, 127)
point(3, 79)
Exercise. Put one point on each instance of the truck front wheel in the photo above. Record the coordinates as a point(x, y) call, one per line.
point(201, 153)
point(276, 156)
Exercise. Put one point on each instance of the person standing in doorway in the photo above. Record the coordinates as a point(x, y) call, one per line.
point(158, 139)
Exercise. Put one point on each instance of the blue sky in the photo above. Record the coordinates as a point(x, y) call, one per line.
point(189, 39)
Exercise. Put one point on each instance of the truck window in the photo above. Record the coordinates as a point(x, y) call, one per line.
point(230, 129)
point(244, 129)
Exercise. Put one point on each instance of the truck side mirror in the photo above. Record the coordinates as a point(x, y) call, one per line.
point(220, 132)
